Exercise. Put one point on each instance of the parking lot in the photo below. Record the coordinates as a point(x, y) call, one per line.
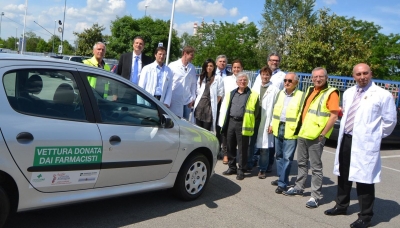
point(229, 203)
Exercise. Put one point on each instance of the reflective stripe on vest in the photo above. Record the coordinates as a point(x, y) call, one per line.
point(292, 114)
point(317, 115)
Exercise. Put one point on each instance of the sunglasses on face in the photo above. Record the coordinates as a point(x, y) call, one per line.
point(288, 80)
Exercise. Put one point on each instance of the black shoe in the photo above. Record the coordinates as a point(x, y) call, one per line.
point(229, 172)
point(274, 183)
point(248, 170)
point(360, 224)
point(335, 211)
point(240, 175)
point(279, 190)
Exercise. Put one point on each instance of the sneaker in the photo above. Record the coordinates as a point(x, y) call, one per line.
point(262, 175)
point(293, 192)
point(312, 203)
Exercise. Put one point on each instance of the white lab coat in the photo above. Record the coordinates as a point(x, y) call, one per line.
point(265, 140)
point(148, 81)
point(375, 119)
point(216, 90)
point(276, 79)
point(183, 86)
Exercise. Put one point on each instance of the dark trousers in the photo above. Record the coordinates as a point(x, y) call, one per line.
point(235, 138)
point(205, 125)
point(221, 137)
point(365, 192)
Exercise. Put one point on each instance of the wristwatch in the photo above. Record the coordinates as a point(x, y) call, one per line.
point(321, 135)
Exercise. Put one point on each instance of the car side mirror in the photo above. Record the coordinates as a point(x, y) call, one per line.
point(166, 121)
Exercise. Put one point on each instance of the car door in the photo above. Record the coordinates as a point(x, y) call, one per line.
point(135, 146)
point(45, 126)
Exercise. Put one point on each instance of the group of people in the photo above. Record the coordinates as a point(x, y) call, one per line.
point(273, 118)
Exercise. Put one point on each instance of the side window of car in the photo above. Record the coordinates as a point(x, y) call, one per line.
point(121, 104)
point(48, 93)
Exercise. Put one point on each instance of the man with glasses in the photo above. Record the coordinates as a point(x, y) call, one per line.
point(369, 114)
point(318, 115)
point(285, 118)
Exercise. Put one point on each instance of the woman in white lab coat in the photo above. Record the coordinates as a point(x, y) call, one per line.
point(210, 90)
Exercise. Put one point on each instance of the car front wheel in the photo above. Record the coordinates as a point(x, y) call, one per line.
point(192, 177)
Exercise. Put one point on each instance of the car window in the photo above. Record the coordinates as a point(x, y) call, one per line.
point(121, 104)
point(39, 92)
point(77, 59)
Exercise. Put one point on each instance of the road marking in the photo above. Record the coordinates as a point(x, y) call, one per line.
point(391, 156)
point(381, 157)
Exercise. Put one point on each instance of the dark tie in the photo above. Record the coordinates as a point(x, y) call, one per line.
point(135, 78)
point(221, 73)
point(348, 127)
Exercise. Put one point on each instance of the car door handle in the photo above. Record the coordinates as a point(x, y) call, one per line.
point(24, 137)
point(115, 140)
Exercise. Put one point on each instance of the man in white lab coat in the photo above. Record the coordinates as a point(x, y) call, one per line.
point(369, 114)
point(183, 84)
point(156, 78)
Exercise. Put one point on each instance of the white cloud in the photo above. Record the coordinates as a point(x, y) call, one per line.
point(243, 20)
point(185, 27)
point(330, 2)
point(197, 8)
point(155, 7)
point(234, 12)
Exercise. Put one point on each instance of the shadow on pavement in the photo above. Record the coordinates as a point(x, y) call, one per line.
point(122, 211)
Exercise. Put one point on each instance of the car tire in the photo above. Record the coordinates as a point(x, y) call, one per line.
point(4, 207)
point(192, 177)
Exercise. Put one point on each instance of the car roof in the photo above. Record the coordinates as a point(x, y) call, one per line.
point(14, 58)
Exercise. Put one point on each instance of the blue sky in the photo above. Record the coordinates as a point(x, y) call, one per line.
point(81, 14)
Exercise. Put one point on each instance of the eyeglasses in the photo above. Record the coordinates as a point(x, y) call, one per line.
point(274, 60)
point(362, 73)
point(288, 80)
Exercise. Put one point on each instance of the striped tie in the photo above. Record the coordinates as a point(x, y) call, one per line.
point(348, 127)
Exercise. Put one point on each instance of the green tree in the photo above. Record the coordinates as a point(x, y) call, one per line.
point(124, 29)
point(86, 40)
point(281, 19)
point(42, 46)
point(236, 41)
point(330, 43)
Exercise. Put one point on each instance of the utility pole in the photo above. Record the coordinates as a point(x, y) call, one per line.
point(23, 31)
point(1, 18)
point(54, 35)
point(16, 38)
point(145, 10)
point(62, 34)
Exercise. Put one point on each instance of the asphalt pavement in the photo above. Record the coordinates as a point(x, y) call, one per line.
point(227, 202)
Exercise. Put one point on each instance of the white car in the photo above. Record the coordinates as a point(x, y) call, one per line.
point(92, 136)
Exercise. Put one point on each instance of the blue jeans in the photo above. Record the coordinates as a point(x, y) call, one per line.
point(186, 112)
point(284, 149)
point(252, 147)
point(264, 159)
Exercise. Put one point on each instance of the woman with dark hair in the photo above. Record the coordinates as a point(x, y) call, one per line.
point(210, 90)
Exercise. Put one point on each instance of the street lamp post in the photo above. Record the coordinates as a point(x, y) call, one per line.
point(1, 18)
point(54, 34)
point(23, 31)
point(145, 9)
point(170, 31)
point(62, 34)
point(16, 38)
